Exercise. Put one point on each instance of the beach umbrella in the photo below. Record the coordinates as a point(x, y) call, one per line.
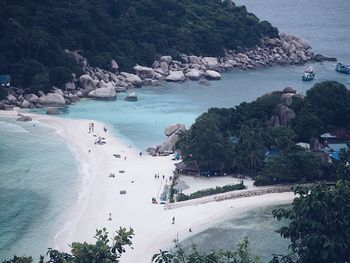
point(180, 186)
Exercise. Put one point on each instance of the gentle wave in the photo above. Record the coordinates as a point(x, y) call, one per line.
point(11, 128)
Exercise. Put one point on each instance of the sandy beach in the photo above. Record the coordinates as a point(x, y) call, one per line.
point(100, 199)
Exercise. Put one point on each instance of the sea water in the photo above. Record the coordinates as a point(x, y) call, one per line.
point(257, 225)
point(37, 172)
point(29, 210)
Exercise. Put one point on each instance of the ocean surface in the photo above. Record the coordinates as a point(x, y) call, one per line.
point(31, 178)
point(257, 225)
point(34, 187)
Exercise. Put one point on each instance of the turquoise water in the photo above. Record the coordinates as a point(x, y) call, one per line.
point(31, 177)
point(258, 225)
point(31, 185)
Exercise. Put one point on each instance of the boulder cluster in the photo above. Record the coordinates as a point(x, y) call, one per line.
point(168, 147)
point(98, 83)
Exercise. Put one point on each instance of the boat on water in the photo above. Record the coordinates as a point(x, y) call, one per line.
point(309, 74)
point(342, 68)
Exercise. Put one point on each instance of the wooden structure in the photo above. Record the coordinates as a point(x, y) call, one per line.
point(188, 168)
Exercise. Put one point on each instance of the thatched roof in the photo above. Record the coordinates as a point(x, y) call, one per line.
point(190, 166)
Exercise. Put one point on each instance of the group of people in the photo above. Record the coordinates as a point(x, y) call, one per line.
point(91, 127)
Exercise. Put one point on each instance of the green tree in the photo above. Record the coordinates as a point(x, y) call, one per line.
point(182, 255)
point(104, 250)
point(319, 223)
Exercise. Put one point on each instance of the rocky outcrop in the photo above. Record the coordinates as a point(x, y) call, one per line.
point(285, 115)
point(144, 72)
point(212, 75)
point(52, 100)
point(193, 74)
point(53, 111)
point(131, 97)
point(172, 132)
point(176, 76)
point(87, 83)
point(132, 78)
point(24, 118)
point(103, 93)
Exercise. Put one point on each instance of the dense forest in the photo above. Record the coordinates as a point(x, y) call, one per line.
point(36, 33)
point(242, 139)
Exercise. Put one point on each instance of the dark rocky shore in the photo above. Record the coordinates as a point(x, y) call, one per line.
point(105, 84)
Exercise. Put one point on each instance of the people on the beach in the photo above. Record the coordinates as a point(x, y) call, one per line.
point(110, 217)
point(105, 129)
point(140, 153)
point(190, 230)
point(91, 127)
point(173, 220)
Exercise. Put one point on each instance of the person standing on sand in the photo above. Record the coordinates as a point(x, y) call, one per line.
point(173, 220)
point(110, 217)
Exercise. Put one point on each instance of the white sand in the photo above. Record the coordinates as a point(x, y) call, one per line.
point(100, 195)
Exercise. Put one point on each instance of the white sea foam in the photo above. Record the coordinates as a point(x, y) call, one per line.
point(11, 128)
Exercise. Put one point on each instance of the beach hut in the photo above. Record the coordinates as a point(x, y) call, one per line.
point(188, 168)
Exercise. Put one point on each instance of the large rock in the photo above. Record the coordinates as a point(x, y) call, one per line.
point(193, 74)
point(132, 78)
point(176, 76)
point(12, 99)
point(69, 86)
point(24, 118)
point(131, 97)
point(212, 75)
point(289, 90)
point(173, 128)
point(114, 66)
point(87, 83)
point(103, 93)
point(53, 111)
point(26, 104)
point(32, 98)
point(286, 115)
point(166, 59)
point(52, 99)
point(210, 62)
point(144, 72)
point(194, 60)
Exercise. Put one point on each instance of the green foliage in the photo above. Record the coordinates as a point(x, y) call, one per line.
point(19, 260)
point(330, 101)
point(104, 250)
point(211, 191)
point(319, 226)
point(130, 31)
point(3, 93)
point(294, 166)
point(183, 255)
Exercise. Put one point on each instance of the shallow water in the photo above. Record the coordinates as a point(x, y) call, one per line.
point(258, 226)
point(32, 184)
point(31, 179)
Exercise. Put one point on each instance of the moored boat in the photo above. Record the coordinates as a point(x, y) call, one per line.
point(309, 74)
point(342, 68)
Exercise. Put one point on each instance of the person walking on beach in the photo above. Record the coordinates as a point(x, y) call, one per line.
point(173, 220)
point(110, 217)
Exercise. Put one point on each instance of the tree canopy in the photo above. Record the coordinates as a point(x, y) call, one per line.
point(35, 34)
point(244, 139)
point(319, 223)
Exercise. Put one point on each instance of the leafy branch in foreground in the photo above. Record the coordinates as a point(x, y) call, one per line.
point(319, 226)
point(180, 255)
point(104, 250)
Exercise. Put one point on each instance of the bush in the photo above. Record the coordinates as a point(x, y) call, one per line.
point(210, 191)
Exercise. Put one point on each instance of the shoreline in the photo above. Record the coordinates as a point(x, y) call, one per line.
point(100, 195)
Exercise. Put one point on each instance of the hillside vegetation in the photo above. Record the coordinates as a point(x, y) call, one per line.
point(244, 139)
point(34, 34)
